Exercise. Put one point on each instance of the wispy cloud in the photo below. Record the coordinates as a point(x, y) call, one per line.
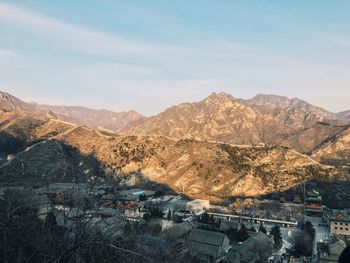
point(84, 39)
point(4, 53)
point(119, 73)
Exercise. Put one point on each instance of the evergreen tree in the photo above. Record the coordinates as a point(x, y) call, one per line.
point(262, 228)
point(169, 215)
point(218, 222)
point(205, 218)
point(276, 233)
point(231, 233)
point(242, 234)
point(50, 220)
point(156, 212)
point(211, 220)
point(142, 197)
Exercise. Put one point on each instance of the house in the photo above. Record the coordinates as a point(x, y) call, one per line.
point(339, 221)
point(108, 212)
point(330, 251)
point(257, 248)
point(105, 221)
point(134, 194)
point(207, 246)
point(178, 232)
point(198, 205)
point(110, 227)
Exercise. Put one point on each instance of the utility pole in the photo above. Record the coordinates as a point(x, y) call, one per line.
point(304, 201)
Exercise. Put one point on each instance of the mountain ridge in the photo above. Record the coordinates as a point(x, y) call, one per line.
point(37, 148)
point(94, 118)
point(216, 118)
point(196, 168)
point(294, 112)
point(76, 114)
point(220, 117)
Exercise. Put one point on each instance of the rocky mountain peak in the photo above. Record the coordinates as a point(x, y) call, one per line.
point(294, 112)
point(6, 96)
point(219, 97)
point(276, 100)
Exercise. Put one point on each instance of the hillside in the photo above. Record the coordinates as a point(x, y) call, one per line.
point(267, 119)
point(220, 117)
point(293, 112)
point(92, 118)
point(335, 151)
point(58, 151)
point(9, 103)
point(307, 139)
point(202, 169)
point(18, 130)
point(345, 115)
point(95, 118)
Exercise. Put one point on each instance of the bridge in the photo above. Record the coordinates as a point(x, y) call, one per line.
point(255, 219)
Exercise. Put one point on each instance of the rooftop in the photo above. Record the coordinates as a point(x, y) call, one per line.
point(178, 230)
point(206, 242)
point(340, 215)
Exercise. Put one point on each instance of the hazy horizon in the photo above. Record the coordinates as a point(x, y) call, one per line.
point(148, 56)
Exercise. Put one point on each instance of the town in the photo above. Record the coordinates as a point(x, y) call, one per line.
point(300, 230)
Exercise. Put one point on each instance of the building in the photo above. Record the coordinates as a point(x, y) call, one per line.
point(207, 246)
point(106, 221)
point(108, 212)
point(313, 204)
point(134, 194)
point(178, 231)
point(176, 235)
point(257, 248)
point(227, 224)
point(330, 251)
point(339, 222)
point(198, 205)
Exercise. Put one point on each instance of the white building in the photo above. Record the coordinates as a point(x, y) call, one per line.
point(340, 222)
point(198, 205)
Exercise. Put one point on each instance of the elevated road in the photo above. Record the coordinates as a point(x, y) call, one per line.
point(256, 219)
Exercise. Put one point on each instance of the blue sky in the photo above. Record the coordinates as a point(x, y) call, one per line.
point(148, 55)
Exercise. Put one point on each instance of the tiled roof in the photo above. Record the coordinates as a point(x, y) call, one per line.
point(207, 237)
point(205, 242)
point(177, 230)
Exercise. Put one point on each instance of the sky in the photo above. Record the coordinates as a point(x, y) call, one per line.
point(148, 55)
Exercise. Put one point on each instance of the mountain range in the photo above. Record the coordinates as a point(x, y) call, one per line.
point(215, 148)
point(263, 119)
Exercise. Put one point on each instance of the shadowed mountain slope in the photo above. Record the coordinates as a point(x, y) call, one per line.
point(196, 168)
point(199, 168)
